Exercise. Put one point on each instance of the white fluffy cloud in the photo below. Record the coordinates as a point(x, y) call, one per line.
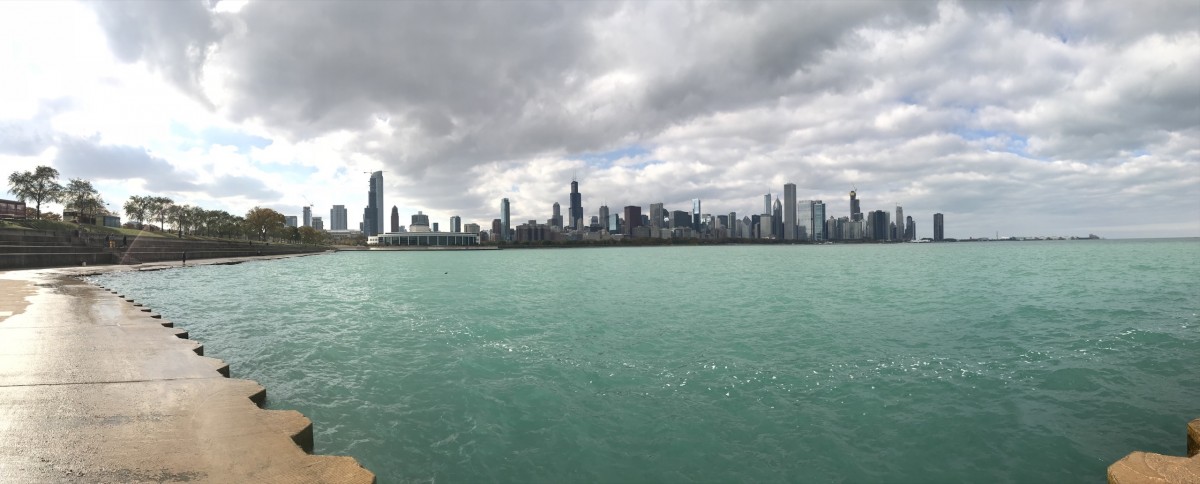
point(1025, 118)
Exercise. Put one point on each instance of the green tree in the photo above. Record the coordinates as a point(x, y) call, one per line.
point(39, 185)
point(158, 208)
point(264, 222)
point(80, 196)
point(136, 209)
point(312, 236)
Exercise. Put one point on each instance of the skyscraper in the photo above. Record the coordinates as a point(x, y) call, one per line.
point(395, 220)
point(939, 227)
point(289, 220)
point(318, 224)
point(818, 217)
point(337, 217)
point(680, 219)
point(604, 216)
point(456, 224)
point(879, 225)
point(373, 214)
point(777, 219)
point(504, 221)
point(789, 211)
point(804, 219)
point(307, 216)
point(733, 226)
point(696, 214)
point(767, 204)
point(576, 210)
point(855, 211)
point(633, 219)
point(656, 215)
point(899, 223)
point(556, 219)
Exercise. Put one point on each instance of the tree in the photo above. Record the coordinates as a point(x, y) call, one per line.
point(312, 236)
point(80, 196)
point(39, 185)
point(157, 208)
point(264, 222)
point(136, 208)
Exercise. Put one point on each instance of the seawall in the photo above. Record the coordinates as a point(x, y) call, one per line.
point(95, 387)
point(26, 249)
point(1151, 468)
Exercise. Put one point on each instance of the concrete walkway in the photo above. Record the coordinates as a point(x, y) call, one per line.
point(95, 388)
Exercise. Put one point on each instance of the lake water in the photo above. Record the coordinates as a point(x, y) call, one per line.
point(982, 362)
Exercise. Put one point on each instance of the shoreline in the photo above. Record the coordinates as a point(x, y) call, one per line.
point(95, 387)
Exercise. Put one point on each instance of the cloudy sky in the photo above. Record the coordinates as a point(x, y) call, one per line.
point(1023, 118)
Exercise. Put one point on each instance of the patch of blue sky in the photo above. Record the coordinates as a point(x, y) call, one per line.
point(291, 173)
point(227, 137)
point(605, 159)
point(1009, 142)
point(217, 136)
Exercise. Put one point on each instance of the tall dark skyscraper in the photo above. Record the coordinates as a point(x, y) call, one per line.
point(696, 214)
point(505, 221)
point(939, 222)
point(633, 219)
point(373, 214)
point(395, 220)
point(777, 220)
point(576, 209)
point(880, 225)
point(855, 211)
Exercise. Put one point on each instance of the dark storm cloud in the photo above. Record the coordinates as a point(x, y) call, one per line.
point(87, 158)
point(172, 37)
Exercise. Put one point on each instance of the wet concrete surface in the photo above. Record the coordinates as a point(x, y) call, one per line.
point(94, 389)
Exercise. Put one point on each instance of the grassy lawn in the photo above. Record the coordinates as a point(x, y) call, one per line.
point(50, 225)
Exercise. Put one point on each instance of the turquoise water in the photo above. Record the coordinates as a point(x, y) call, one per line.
point(983, 362)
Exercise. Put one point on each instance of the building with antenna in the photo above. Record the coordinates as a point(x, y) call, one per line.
point(855, 209)
point(576, 209)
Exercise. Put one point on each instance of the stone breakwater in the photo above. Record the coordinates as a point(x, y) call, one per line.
point(95, 387)
point(1150, 468)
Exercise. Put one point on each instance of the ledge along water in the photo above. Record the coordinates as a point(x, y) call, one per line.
point(95, 387)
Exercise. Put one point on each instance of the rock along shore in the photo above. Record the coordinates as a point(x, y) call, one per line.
point(94, 387)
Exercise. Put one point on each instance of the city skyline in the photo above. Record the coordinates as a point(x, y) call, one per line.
point(1020, 119)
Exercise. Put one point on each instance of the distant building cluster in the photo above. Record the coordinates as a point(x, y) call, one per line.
point(782, 218)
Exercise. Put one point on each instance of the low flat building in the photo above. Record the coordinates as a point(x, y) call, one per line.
point(424, 239)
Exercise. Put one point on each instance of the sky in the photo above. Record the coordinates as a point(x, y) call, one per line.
point(1015, 118)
